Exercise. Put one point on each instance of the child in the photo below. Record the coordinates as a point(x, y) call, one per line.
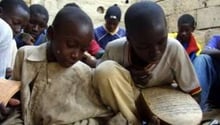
point(110, 31)
point(56, 86)
point(207, 68)
point(6, 38)
point(16, 14)
point(35, 31)
point(145, 58)
point(94, 49)
point(186, 26)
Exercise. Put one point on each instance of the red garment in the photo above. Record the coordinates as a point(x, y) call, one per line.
point(93, 47)
point(192, 47)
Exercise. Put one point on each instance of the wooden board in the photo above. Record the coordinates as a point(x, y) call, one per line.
point(7, 89)
point(170, 105)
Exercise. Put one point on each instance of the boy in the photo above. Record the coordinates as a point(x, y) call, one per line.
point(207, 68)
point(35, 31)
point(94, 49)
point(186, 26)
point(56, 86)
point(145, 58)
point(16, 14)
point(110, 31)
point(5, 42)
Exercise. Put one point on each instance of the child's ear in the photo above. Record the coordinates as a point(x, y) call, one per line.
point(50, 33)
point(194, 26)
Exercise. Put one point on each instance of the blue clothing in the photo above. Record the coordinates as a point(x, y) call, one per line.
point(208, 72)
point(103, 37)
point(214, 42)
point(40, 39)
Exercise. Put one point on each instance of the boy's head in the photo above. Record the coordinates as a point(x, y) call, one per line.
point(112, 18)
point(15, 13)
point(146, 29)
point(186, 25)
point(70, 35)
point(38, 20)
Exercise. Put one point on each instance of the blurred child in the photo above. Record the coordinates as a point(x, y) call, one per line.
point(186, 26)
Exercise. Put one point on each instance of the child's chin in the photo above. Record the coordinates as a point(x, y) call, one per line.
point(67, 64)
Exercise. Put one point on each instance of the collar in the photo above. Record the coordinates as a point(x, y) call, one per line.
point(38, 53)
point(112, 33)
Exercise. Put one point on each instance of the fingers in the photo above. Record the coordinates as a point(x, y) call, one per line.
point(138, 72)
point(150, 67)
point(28, 39)
point(13, 102)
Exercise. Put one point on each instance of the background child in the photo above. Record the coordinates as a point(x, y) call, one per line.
point(186, 26)
point(110, 30)
point(35, 30)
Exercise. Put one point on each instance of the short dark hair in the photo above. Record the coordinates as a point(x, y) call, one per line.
point(113, 12)
point(73, 4)
point(143, 15)
point(39, 9)
point(8, 5)
point(187, 19)
point(72, 13)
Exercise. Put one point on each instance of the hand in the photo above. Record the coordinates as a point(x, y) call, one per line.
point(28, 39)
point(89, 59)
point(5, 111)
point(14, 102)
point(141, 76)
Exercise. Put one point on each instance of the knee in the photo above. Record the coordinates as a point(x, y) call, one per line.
point(203, 57)
point(107, 69)
point(103, 74)
point(109, 72)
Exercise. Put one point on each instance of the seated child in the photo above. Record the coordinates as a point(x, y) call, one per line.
point(186, 26)
point(208, 71)
point(110, 30)
point(56, 86)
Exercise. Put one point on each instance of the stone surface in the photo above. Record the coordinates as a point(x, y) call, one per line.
point(89, 6)
point(173, 19)
point(186, 5)
point(209, 3)
point(206, 12)
point(168, 6)
point(208, 17)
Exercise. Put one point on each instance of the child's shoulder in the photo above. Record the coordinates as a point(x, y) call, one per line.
point(33, 53)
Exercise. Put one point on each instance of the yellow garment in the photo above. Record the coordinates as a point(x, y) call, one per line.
point(120, 97)
point(174, 35)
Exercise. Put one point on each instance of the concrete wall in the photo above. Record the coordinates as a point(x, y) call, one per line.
point(206, 12)
point(89, 6)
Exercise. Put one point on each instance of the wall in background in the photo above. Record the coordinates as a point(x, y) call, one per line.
point(206, 12)
point(89, 6)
